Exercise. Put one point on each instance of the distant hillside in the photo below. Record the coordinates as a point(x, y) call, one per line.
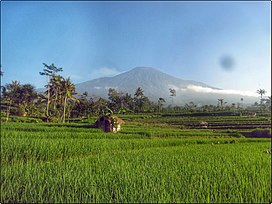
point(156, 84)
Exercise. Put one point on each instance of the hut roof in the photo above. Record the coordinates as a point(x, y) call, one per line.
point(119, 120)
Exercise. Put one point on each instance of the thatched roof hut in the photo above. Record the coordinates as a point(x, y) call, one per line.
point(109, 123)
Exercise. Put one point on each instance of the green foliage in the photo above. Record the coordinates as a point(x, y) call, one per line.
point(17, 98)
point(144, 163)
point(21, 119)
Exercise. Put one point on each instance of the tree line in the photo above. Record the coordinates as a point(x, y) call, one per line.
point(61, 101)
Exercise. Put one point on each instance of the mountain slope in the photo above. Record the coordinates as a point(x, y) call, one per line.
point(155, 85)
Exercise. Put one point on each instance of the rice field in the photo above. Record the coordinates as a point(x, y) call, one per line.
point(145, 162)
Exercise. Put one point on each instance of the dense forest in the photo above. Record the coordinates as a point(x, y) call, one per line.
point(61, 101)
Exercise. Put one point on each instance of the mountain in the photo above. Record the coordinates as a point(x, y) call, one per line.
point(156, 85)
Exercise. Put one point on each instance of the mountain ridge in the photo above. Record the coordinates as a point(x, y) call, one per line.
point(155, 85)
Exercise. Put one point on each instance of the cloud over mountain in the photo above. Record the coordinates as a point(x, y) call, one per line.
point(156, 85)
point(220, 91)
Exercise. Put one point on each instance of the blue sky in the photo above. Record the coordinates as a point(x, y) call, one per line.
point(223, 44)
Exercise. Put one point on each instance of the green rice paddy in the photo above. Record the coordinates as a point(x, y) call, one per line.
point(147, 162)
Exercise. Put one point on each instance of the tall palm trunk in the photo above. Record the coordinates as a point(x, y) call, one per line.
point(48, 102)
point(55, 102)
point(64, 109)
point(261, 102)
point(56, 98)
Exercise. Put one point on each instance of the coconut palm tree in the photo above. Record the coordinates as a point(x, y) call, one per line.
point(139, 99)
point(172, 94)
point(221, 101)
point(261, 92)
point(49, 71)
point(161, 101)
point(56, 84)
point(242, 101)
point(67, 90)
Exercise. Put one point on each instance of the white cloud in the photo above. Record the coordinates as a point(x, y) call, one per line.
point(201, 89)
point(210, 90)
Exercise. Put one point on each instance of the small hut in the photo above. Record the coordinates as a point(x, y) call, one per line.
point(203, 124)
point(109, 123)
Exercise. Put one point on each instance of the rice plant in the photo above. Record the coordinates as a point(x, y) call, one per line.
point(71, 164)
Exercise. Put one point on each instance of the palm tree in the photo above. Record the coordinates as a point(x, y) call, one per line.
point(56, 88)
point(85, 94)
point(242, 101)
point(161, 101)
point(261, 92)
point(139, 99)
point(49, 71)
point(172, 94)
point(221, 101)
point(68, 90)
point(139, 93)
